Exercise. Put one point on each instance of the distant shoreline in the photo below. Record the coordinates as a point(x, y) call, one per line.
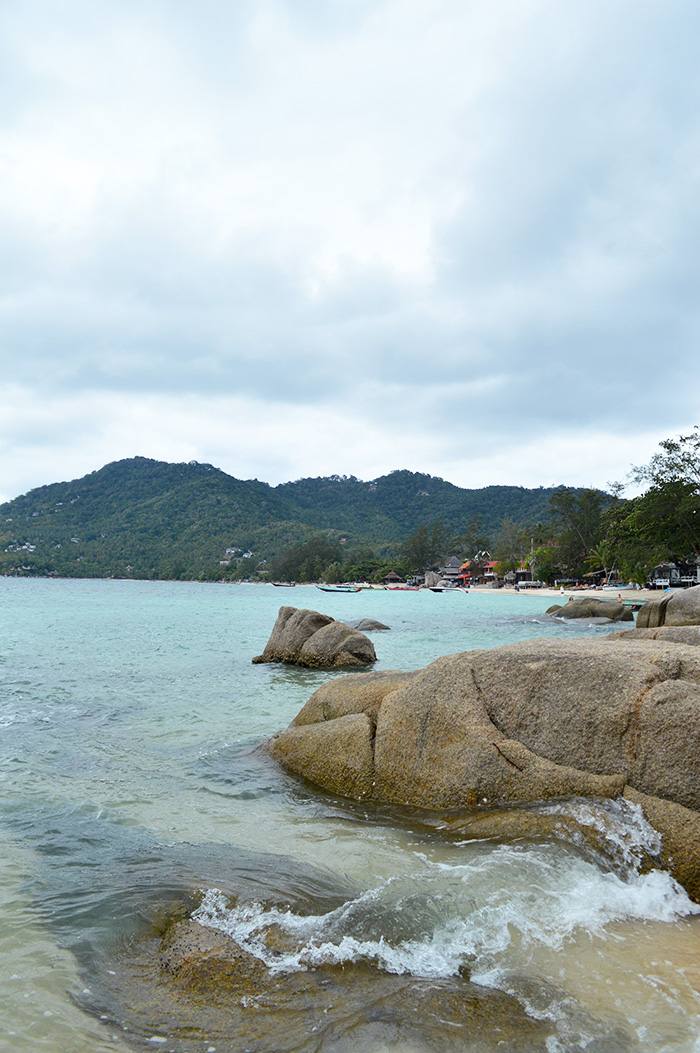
point(638, 595)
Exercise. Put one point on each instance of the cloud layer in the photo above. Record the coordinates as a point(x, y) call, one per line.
point(296, 238)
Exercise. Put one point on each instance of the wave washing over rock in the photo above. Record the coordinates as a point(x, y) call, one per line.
point(479, 922)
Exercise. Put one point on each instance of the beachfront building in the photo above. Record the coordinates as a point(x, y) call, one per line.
point(520, 575)
point(451, 569)
point(479, 571)
point(676, 574)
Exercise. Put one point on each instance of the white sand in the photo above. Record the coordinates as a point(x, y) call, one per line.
point(638, 595)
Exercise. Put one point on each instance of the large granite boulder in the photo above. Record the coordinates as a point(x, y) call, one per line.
point(673, 608)
point(301, 637)
point(532, 721)
point(591, 607)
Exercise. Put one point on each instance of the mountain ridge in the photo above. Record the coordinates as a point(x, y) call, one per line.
point(142, 517)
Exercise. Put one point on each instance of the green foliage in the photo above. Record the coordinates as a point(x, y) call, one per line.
point(664, 522)
point(149, 519)
point(361, 566)
point(601, 558)
point(548, 563)
point(333, 574)
point(510, 546)
point(579, 516)
point(426, 548)
point(474, 539)
point(678, 463)
point(308, 561)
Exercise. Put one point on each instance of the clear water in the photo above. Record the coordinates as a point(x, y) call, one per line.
point(130, 713)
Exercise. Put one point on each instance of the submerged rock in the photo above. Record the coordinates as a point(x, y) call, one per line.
point(197, 987)
point(367, 625)
point(211, 989)
point(590, 607)
point(531, 721)
point(303, 637)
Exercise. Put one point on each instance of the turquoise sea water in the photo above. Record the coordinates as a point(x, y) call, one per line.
point(130, 714)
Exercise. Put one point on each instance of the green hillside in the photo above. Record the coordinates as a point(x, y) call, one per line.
point(392, 506)
point(145, 518)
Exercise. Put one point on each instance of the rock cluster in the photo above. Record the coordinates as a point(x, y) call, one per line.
point(531, 721)
point(307, 638)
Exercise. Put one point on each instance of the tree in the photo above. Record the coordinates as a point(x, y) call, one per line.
point(601, 557)
point(668, 514)
point(426, 548)
point(679, 462)
point(473, 540)
point(663, 523)
point(579, 516)
point(307, 561)
point(333, 573)
point(510, 547)
point(361, 565)
point(548, 562)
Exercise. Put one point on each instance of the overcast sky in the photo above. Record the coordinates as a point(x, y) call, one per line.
point(306, 237)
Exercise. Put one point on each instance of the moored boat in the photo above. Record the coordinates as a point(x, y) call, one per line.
point(339, 588)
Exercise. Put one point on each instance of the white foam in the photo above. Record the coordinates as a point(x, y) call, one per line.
point(509, 896)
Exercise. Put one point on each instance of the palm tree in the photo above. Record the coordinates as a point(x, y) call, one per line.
point(601, 556)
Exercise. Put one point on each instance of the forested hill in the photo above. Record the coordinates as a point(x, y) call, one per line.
point(145, 518)
point(389, 508)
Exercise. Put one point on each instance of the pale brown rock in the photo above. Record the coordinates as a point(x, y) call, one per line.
point(194, 953)
point(680, 845)
point(360, 693)
point(527, 722)
point(209, 988)
point(580, 703)
point(437, 747)
point(673, 608)
point(368, 625)
point(683, 607)
point(307, 638)
point(590, 607)
point(336, 754)
point(685, 634)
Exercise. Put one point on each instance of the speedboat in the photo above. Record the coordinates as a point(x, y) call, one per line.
point(339, 588)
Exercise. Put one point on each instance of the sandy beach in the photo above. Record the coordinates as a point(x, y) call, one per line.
point(637, 595)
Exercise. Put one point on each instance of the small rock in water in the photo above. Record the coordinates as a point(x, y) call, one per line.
point(367, 625)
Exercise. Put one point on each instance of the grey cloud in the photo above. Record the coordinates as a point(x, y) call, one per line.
point(553, 273)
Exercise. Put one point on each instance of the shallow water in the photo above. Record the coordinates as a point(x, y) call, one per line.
point(131, 787)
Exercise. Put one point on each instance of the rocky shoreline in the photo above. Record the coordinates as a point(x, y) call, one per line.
point(532, 721)
point(480, 745)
